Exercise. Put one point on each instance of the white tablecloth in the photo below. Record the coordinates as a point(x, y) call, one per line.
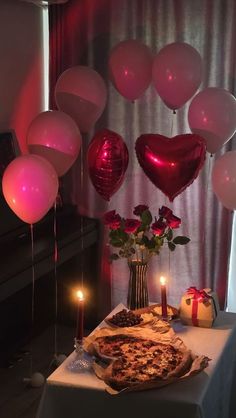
point(207, 395)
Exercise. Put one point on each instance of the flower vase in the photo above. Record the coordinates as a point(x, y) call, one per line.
point(138, 290)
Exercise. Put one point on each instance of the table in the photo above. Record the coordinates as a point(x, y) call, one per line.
point(207, 395)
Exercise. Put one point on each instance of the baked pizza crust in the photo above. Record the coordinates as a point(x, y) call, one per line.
point(136, 361)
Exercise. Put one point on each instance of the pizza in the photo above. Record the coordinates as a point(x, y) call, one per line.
point(135, 360)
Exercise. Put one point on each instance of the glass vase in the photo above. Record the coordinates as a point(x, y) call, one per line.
point(138, 289)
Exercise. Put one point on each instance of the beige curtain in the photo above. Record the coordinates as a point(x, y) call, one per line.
point(209, 26)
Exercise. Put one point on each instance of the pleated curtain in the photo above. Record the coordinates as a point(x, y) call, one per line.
point(83, 32)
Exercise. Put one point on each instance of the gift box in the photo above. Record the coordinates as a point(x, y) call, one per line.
point(199, 307)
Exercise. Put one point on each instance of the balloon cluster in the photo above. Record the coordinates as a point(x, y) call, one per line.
point(176, 73)
point(54, 138)
point(30, 182)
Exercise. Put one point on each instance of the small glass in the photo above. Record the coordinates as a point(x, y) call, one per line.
point(83, 361)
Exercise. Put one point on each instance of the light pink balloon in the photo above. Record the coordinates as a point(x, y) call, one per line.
point(212, 114)
point(30, 187)
point(130, 66)
point(224, 179)
point(55, 136)
point(81, 93)
point(177, 73)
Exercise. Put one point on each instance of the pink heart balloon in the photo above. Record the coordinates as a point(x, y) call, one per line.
point(171, 164)
point(108, 159)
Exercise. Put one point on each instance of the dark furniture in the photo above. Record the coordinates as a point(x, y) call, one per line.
point(78, 252)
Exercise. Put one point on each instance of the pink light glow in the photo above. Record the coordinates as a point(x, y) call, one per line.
point(156, 160)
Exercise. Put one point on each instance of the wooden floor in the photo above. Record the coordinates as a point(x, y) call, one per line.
point(17, 399)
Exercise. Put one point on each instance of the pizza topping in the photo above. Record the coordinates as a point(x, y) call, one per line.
point(138, 360)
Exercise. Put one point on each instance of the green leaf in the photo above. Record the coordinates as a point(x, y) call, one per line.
point(158, 240)
point(114, 256)
point(116, 243)
point(171, 246)
point(150, 243)
point(145, 241)
point(113, 233)
point(118, 238)
point(146, 217)
point(169, 235)
point(181, 240)
point(123, 235)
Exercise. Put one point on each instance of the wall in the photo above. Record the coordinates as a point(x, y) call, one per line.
point(21, 66)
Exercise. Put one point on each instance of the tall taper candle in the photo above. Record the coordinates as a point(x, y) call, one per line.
point(163, 297)
point(80, 316)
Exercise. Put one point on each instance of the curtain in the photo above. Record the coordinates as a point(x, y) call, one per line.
point(83, 33)
point(231, 299)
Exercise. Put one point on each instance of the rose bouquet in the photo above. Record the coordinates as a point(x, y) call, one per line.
point(142, 237)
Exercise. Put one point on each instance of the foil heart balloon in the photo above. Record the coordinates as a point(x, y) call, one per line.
point(108, 159)
point(171, 164)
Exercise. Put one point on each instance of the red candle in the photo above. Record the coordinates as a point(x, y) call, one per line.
point(163, 297)
point(80, 316)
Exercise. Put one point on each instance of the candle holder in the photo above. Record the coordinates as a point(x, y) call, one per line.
point(167, 318)
point(83, 361)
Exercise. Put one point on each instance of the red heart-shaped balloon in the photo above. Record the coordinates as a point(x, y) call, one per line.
point(171, 164)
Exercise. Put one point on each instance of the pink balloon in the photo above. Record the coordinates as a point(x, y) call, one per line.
point(177, 73)
point(224, 179)
point(81, 93)
point(130, 66)
point(212, 114)
point(30, 187)
point(55, 136)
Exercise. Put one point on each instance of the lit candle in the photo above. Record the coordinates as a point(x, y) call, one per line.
point(163, 297)
point(80, 316)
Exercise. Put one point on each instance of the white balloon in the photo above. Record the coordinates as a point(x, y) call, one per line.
point(212, 115)
point(36, 380)
point(224, 179)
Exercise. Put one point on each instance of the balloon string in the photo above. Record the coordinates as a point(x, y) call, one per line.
point(171, 134)
point(169, 268)
point(206, 192)
point(33, 294)
point(208, 170)
point(82, 218)
point(172, 123)
point(55, 275)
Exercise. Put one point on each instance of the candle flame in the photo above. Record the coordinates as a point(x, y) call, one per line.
point(162, 280)
point(80, 295)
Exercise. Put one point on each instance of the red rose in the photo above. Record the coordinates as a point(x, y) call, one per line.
point(173, 221)
point(165, 212)
point(131, 225)
point(158, 227)
point(138, 210)
point(112, 219)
